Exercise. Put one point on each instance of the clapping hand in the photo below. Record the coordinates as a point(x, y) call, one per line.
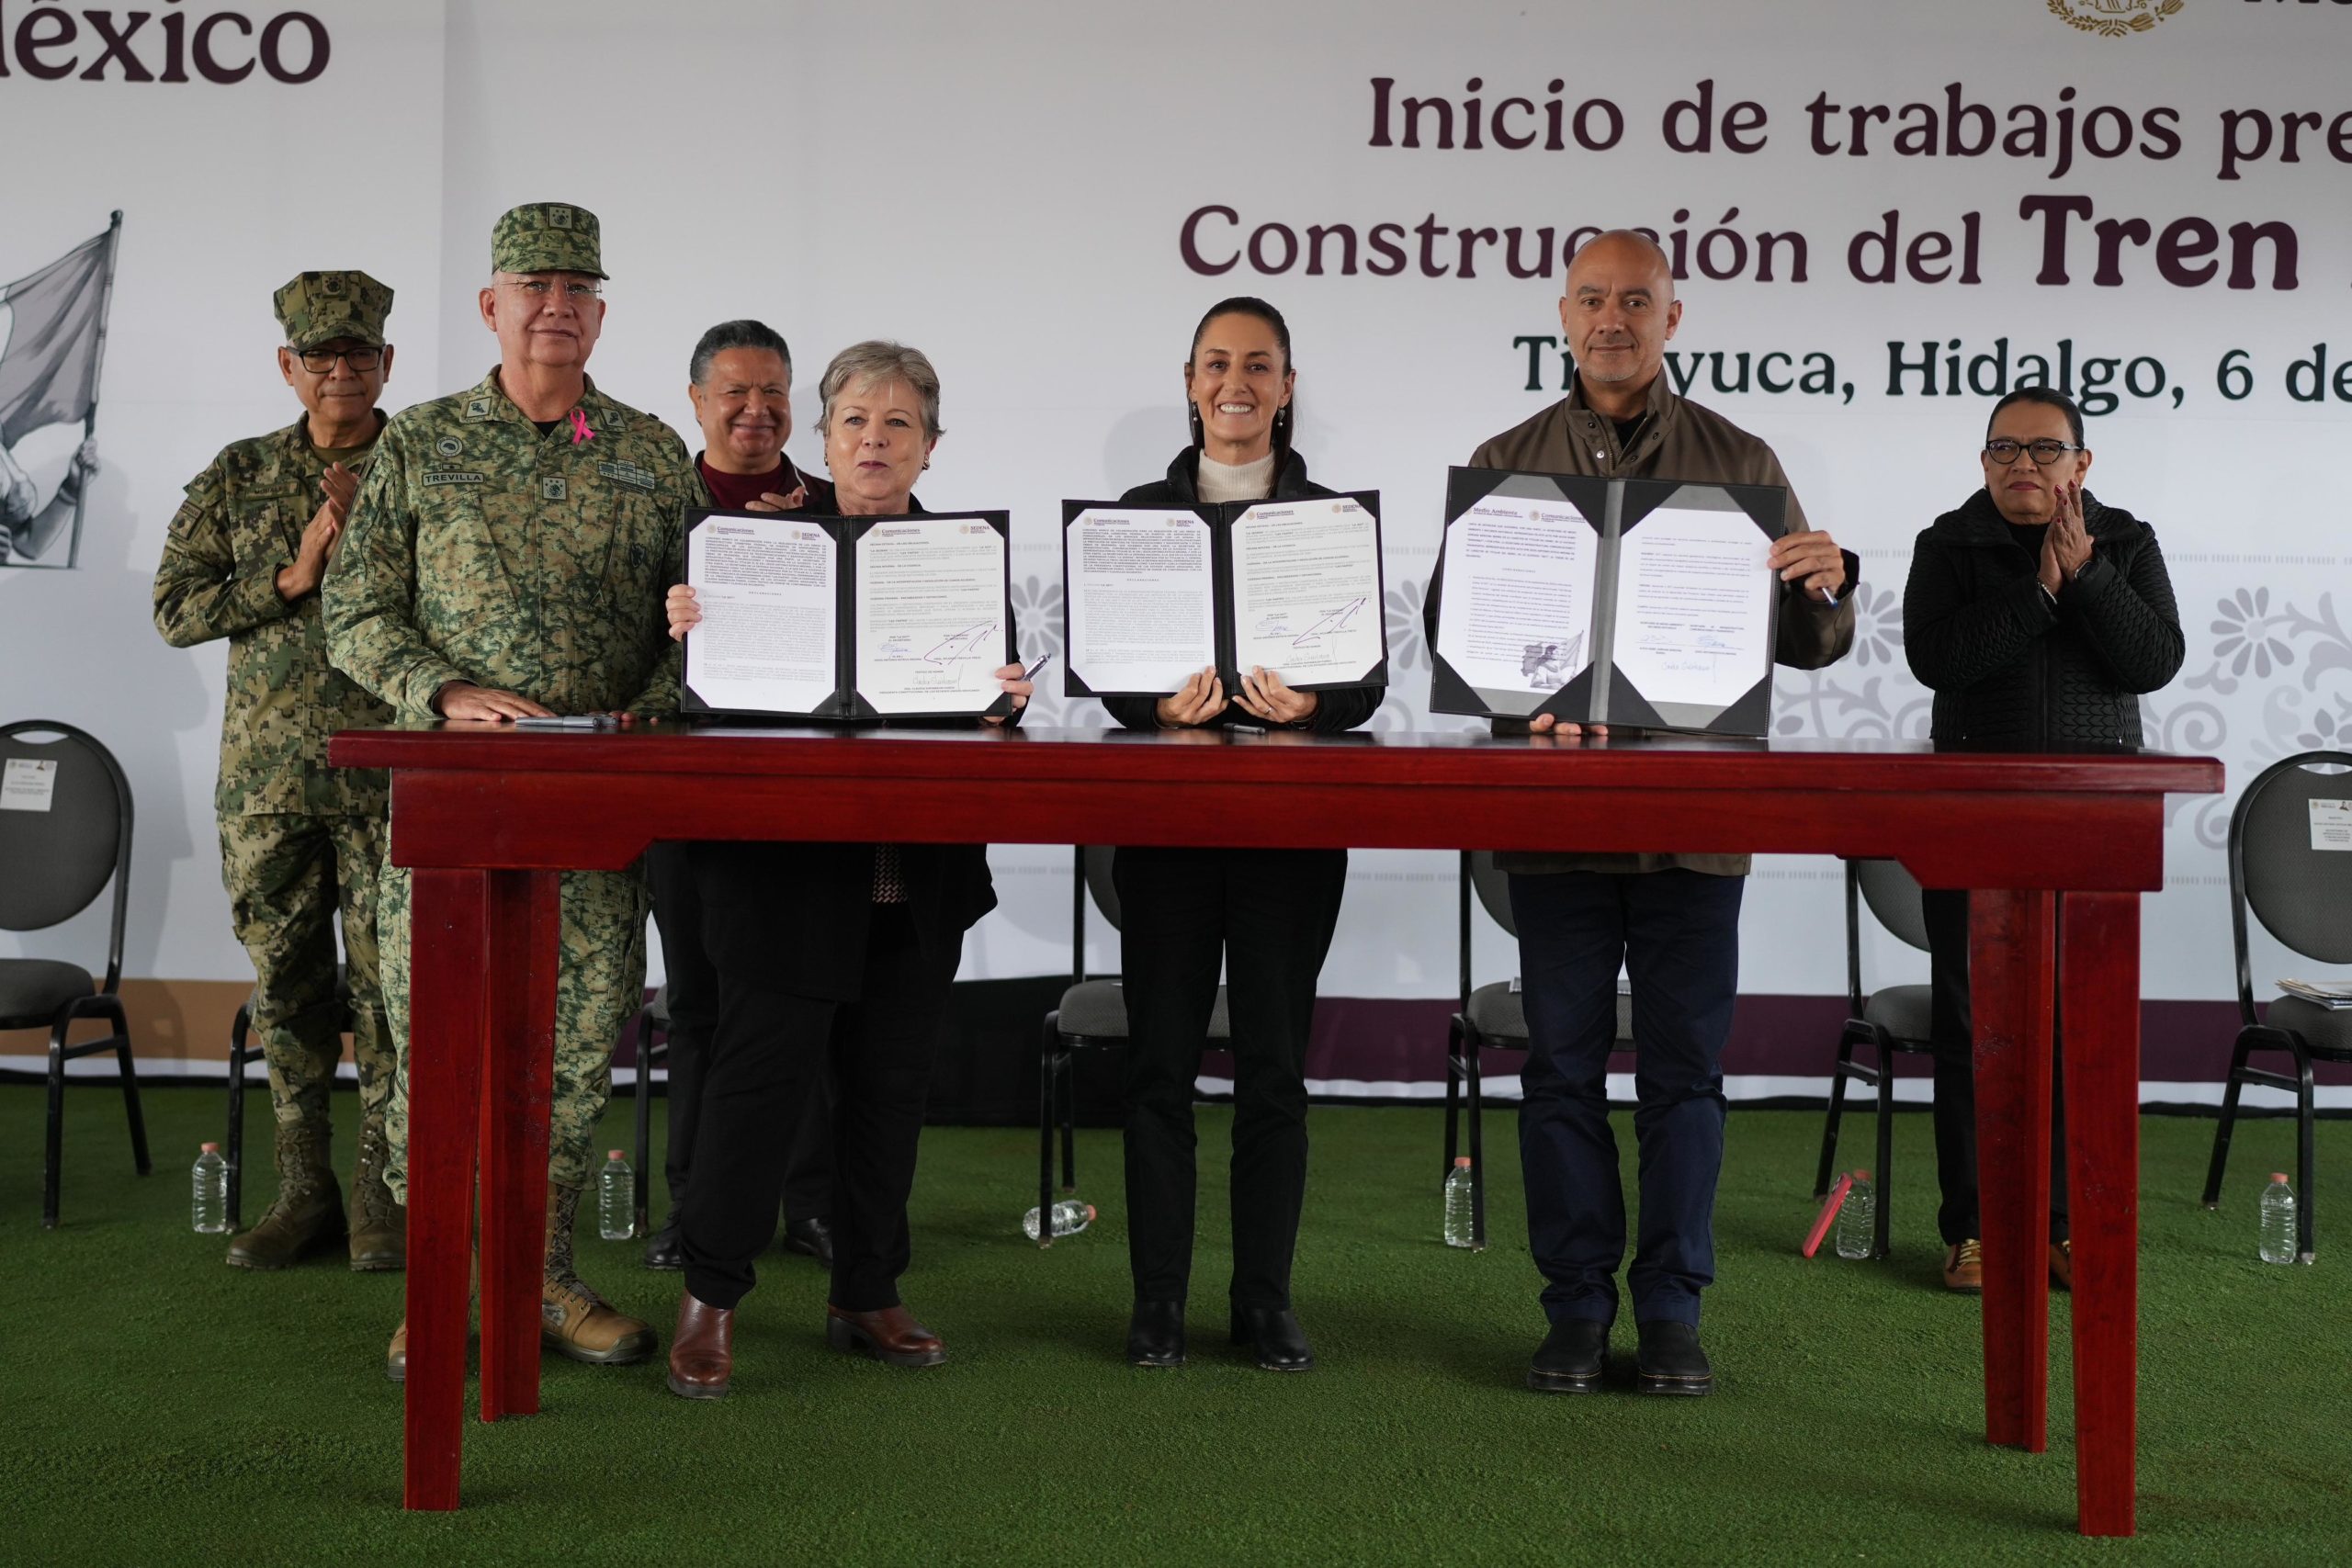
point(337, 490)
point(2065, 544)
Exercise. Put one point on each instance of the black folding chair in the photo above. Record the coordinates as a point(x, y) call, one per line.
point(2302, 896)
point(241, 1052)
point(1092, 1012)
point(56, 857)
point(651, 1019)
point(1491, 1018)
point(1890, 1021)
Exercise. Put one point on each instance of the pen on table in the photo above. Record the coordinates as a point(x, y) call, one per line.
point(564, 721)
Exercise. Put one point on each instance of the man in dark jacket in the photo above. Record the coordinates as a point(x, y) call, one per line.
point(2038, 616)
point(1672, 921)
point(740, 380)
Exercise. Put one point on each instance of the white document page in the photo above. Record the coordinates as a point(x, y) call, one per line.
point(767, 636)
point(1694, 606)
point(1516, 613)
point(2331, 824)
point(1307, 591)
point(1142, 595)
point(929, 614)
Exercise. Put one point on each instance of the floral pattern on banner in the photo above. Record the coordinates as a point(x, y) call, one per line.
point(1037, 610)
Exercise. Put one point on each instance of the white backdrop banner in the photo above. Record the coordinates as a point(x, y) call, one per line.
point(1881, 218)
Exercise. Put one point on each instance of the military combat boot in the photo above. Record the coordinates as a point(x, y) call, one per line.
point(573, 1319)
point(306, 1214)
point(379, 1222)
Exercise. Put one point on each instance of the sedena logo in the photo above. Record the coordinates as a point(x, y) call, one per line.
point(2114, 18)
point(50, 41)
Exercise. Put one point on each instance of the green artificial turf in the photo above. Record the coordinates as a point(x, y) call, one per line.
point(162, 1408)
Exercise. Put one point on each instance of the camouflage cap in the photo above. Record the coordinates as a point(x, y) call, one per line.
point(319, 307)
point(547, 236)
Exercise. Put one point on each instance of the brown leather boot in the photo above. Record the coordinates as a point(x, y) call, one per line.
point(306, 1214)
point(379, 1222)
point(702, 1352)
point(396, 1354)
point(888, 1334)
point(573, 1319)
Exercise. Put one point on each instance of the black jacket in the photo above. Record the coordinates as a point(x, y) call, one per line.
point(1336, 710)
point(2010, 668)
point(795, 916)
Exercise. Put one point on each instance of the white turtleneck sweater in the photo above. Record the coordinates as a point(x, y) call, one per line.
point(1221, 482)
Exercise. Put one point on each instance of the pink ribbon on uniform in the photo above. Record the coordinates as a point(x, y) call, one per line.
point(580, 431)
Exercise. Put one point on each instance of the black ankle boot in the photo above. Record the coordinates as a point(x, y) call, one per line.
point(1670, 1361)
point(1571, 1359)
point(1275, 1336)
point(1156, 1334)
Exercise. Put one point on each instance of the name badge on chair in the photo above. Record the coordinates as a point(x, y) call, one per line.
point(29, 783)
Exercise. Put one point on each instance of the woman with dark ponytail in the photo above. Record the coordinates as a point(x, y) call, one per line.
point(1267, 914)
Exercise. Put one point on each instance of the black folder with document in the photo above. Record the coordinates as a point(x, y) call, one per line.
point(1153, 594)
point(848, 617)
point(1644, 604)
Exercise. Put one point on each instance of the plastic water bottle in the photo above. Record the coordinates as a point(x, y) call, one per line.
point(1071, 1216)
point(2277, 1220)
point(208, 1212)
point(1857, 1218)
point(616, 1198)
point(1461, 1229)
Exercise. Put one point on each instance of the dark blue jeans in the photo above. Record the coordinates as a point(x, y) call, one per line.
point(1677, 934)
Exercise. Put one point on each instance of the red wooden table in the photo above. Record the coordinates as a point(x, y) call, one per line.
point(487, 817)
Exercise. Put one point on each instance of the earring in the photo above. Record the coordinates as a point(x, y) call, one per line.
point(926, 462)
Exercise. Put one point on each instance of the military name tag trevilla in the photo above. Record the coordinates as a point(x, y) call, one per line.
point(451, 477)
point(627, 474)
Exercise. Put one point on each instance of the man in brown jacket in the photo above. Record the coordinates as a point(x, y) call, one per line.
point(1672, 921)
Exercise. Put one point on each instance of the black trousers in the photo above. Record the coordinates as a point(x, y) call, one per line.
point(768, 1052)
point(1953, 1036)
point(1268, 916)
point(692, 981)
point(1676, 933)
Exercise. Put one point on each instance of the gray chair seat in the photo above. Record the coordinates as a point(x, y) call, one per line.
point(1097, 1010)
point(1903, 1011)
point(1499, 1015)
point(32, 989)
point(2325, 1030)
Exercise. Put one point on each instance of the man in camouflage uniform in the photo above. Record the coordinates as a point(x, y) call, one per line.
point(507, 558)
point(298, 838)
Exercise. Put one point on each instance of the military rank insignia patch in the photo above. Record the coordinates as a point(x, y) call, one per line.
point(627, 474)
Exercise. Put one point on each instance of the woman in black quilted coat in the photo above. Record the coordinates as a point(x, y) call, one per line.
point(2039, 616)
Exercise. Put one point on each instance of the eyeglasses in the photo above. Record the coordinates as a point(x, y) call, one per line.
point(320, 361)
point(2004, 453)
point(538, 288)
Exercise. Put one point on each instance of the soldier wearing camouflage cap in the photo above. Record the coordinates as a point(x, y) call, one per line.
point(508, 558)
point(300, 842)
